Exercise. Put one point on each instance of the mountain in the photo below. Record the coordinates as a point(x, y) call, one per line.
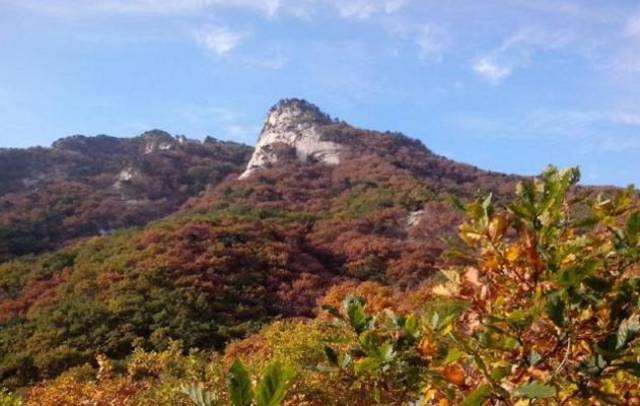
point(85, 186)
point(239, 237)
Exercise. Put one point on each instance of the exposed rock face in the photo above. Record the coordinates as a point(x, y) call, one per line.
point(157, 140)
point(294, 124)
point(414, 218)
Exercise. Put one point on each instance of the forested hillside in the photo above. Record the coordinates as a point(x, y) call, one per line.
point(86, 186)
point(345, 266)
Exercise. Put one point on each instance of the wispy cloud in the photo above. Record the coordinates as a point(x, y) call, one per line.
point(358, 9)
point(632, 28)
point(218, 39)
point(490, 70)
point(559, 7)
point(431, 42)
point(362, 9)
point(516, 52)
point(162, 7)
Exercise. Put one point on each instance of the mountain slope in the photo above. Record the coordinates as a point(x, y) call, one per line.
point(86, 186)
point(320, 203)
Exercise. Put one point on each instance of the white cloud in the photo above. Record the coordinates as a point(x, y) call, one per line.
point(219, 39)
point(633, 27)
point(357, 9)
point(70, 7)
point(516, 52)
point(559, 7)
point(363, 9)
point(391, 6)
point(431, 43)
point(490, 70)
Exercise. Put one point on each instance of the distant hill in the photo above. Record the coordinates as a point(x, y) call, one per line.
point(86, 186)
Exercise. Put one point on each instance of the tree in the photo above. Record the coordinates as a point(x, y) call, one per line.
point(547, 307)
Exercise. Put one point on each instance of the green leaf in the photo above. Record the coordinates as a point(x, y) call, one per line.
point(274, 384)
point(443, 313)
point(632, 229)
point(594, 364)
point(500, 372)
point(572, 276)
point(534, 358)
point(366, 366)
point(369, 342)
point(555, 308)
point(331, 310)
point(478, 396)
point(357, 316)
point(386, 352)
point(240, 387)
point(345, 360)
point(535, 390)
point(435, 320)
point(411, 326)
point(486, 210)
point(627, 331)
point(331, 354)
point(456, 203)
point(453, 355)
point(199, 395)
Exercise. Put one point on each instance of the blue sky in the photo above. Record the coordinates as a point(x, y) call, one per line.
point(508, 85)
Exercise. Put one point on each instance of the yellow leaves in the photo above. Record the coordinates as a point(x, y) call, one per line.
point(451, 287)
point(429, 393)
point(498, 226)
point(608, 386)
point(454, 374)
point(427, 349)
point(444, 290)
point(491, 262)
point(67, 391)
point(470, 235)
point(583, 348)
point(569, 260)
point(513, 254)
point(105, 367)
point(494, 231)
point(586, 314)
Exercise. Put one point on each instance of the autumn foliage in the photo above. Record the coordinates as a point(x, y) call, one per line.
point(538, 303)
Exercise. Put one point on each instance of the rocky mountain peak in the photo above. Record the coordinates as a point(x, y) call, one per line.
point(293, 124)
point(297, 113)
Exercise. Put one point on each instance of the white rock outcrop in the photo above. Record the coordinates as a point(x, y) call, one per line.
point(157, 140)
point(125, 175)
point(153, 145)
point(293, 123)
point(414, 218)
